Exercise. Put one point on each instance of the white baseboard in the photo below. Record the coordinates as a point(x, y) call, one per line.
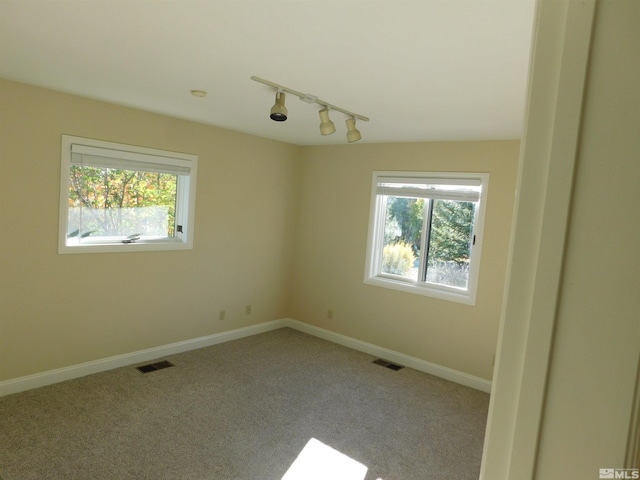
point(49, 377)
point(392, 356)
point(28, 382)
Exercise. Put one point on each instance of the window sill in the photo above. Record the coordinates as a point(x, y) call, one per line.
point(124, 247)
point(426, 290)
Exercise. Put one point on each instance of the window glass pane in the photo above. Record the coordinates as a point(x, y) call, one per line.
point(109, 202)
point(450, 239)
point(402, 236)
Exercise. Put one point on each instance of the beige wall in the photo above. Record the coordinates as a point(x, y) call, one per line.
point(280, 227)
point(60, 310)
point(594, 362)
point(331, 242)
point(563, 394)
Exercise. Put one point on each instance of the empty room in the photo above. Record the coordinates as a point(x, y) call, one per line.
point(320, 239)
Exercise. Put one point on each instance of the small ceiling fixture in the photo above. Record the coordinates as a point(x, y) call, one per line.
point(327, 127)
point(199, 93)
point(353, 134)
point(279, 111)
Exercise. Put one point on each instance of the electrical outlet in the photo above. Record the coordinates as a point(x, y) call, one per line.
point(329, 314)
point(247, 310)
point(222, 315)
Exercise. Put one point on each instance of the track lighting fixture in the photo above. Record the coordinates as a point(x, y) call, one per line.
point(279, 111)
point(353, 135)
point(327, 127)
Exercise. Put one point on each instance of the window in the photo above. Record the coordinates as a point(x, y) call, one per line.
point(425, 233)
point(122, 198)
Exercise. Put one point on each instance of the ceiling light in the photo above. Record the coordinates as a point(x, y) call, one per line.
point(199, 93)
point(279, 111)
point(353, 135)
point(327, 127)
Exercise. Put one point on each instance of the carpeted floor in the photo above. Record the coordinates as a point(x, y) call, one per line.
point(244, 410)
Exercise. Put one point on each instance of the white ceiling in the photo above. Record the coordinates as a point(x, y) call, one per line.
point(421, 70)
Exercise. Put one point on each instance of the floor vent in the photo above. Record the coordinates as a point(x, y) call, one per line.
point(384, 363)
point(152, 367)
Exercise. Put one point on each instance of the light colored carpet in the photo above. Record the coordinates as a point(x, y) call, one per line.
point(244, 410)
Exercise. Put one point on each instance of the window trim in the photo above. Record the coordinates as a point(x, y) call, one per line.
point(185, 201)
point(374, 276)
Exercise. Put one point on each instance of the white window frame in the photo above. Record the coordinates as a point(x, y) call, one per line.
point(373, 268)
point(186, 164)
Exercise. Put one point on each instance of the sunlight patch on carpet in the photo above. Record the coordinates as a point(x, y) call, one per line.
point(318, 461)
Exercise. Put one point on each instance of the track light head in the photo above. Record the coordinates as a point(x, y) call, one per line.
point(279, 111)
point(353, 135)
point(326, 125)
